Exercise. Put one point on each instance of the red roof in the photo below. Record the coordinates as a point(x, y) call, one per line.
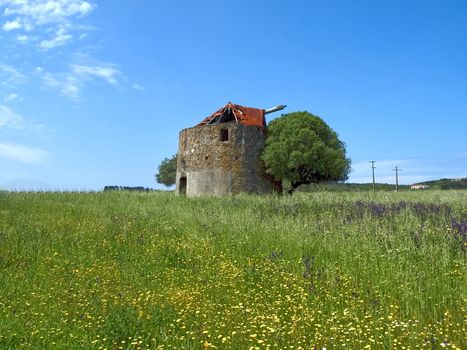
point(236, 113)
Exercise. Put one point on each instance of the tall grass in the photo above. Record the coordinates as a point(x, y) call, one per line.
point(152, 270)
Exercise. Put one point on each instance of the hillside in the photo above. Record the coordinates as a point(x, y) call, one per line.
point(441, 184)
point(447, 184)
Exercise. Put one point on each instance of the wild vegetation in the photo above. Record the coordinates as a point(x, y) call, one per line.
point(121, 270)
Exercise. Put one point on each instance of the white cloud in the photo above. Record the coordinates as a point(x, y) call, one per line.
point(12, 97)
point(138, 87)
point(61, 38)
point(49, 24)
point(10, 119)
point(46, 16)
point(70, 84)
point(22, 38)
point(40, 12)
point(67, 84)
point(108, 73)
point(22, 153)
point(11, 25)
point(14, 123)
point(10, 76)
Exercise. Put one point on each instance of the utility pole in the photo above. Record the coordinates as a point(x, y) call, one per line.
point(397, 177)
point(373, 172)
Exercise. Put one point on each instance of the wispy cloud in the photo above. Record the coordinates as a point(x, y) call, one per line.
point(70, 84)
point(10, 76)
point(12, 97)
point(14, 123)
point(61, 38)
point(45, 16)
point(22, 39)
point(67, 84)
point(23, 154)
point(11, 25)
point(49, 24)
point(10, 119)
point(40, 12)
point(108, 73)
point(138, 87)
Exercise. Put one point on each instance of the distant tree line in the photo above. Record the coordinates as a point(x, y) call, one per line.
point(127, 188)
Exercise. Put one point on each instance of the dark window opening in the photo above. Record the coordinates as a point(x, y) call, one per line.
point(224, 135)
point(182, 185)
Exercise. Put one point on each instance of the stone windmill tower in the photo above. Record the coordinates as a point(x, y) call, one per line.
point(221, 155)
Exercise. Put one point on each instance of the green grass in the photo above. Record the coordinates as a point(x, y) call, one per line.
point(121, 270)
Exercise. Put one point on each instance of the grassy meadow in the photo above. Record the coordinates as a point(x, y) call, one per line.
point(120, 270)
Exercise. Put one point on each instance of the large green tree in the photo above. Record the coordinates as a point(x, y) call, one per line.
point(302, 149)
point(167, 171)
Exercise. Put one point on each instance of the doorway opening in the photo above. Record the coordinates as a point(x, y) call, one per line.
point(182, 185)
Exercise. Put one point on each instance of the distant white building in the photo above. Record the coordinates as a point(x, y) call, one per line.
point(418, 187)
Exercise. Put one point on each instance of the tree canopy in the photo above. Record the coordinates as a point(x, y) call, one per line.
point(302, 149)
point(167, 171)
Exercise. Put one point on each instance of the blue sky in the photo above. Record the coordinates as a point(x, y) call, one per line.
point(94, 93)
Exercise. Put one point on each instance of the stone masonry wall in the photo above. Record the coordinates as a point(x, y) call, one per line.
point(213, 166)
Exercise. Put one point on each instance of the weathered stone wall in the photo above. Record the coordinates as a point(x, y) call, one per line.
point(213, 166)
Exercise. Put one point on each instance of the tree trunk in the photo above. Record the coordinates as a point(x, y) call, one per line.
point(294, 187)
point(276, 184)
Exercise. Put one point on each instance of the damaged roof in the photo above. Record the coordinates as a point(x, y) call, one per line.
point(238, 114)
